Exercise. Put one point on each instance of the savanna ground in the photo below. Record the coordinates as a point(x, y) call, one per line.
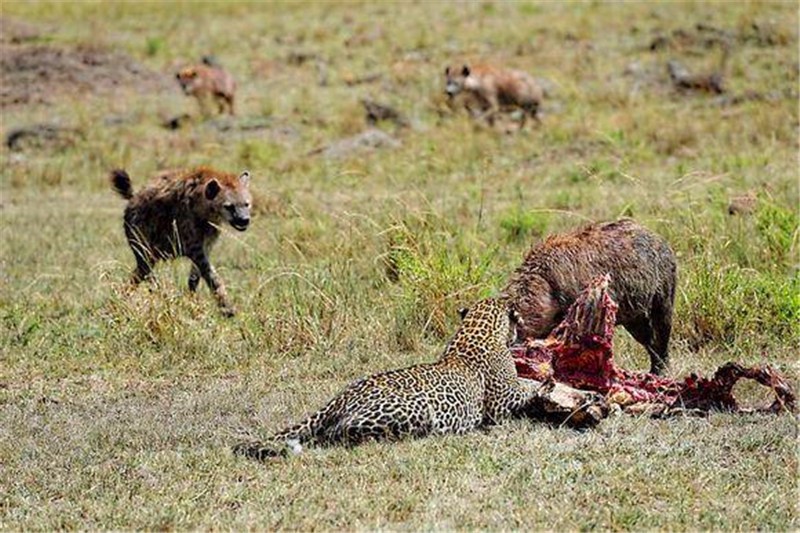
point(118, 411)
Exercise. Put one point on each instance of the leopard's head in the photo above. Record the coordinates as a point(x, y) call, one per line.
point(492, 320)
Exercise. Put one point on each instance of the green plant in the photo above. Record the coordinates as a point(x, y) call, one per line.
point(153, 46)
point(437, 270)
point(779, 227)
point(729, 305)
point(520, 226)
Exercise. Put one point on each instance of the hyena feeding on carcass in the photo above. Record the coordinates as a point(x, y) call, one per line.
point(178, 214)
point(643, 275)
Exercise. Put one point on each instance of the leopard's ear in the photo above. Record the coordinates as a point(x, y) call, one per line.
point(463, 312)
point(244, 178)
point(212, 189)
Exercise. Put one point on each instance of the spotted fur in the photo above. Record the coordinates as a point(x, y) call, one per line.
point(490, 90)
point(473, 383)
point(206, 82)
point(178, 215)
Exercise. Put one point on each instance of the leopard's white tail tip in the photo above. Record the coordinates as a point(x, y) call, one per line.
point(294, 446)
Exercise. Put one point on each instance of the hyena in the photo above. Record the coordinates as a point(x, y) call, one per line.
point(643, 276)
point(178, 214)
point(208, 81)
point(494, 89)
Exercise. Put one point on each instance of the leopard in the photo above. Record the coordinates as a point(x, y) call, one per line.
point(473, 384)
point(490, 89)
point(179, 215)
point(208, 81)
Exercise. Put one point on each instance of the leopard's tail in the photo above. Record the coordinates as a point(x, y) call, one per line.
point(121, 182)
point(311, 430)
point(288, 441)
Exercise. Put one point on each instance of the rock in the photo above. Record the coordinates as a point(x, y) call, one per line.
point(366, 141)
point(41, 137)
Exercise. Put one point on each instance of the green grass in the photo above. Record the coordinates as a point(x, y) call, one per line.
point(117, 411)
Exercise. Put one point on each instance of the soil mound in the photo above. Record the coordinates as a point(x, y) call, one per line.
point(40, 73)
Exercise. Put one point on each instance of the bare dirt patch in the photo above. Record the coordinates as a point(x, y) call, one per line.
point(17, 31)
point(40, 73)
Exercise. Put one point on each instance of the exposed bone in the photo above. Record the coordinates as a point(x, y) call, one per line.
point(578, 353)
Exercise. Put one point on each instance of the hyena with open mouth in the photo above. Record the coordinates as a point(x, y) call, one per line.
point(178, 215)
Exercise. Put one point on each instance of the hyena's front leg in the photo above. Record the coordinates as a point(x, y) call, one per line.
point(142, 270)
point(194, 278)
point(532, 110)
point(522, 120)
point(214, 282)
point(493, 107)
point(225, 104)
point(205, 102)
point(144, 255)
point(139, 274)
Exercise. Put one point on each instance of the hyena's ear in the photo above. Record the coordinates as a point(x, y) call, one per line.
point(212, 189)
point(465, 71)
point(447, 71)
point(463, 312)
point(244, 178)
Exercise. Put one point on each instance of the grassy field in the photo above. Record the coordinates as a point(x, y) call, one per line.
point(117, 411)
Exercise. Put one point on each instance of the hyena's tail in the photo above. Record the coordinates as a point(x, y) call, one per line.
point(121, 182)
point(291, 439)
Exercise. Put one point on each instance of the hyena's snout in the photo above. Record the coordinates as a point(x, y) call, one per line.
point(239, 218)
point(240, 222)
point(183, 83)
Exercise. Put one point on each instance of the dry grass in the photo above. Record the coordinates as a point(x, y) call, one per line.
point(118, 411)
